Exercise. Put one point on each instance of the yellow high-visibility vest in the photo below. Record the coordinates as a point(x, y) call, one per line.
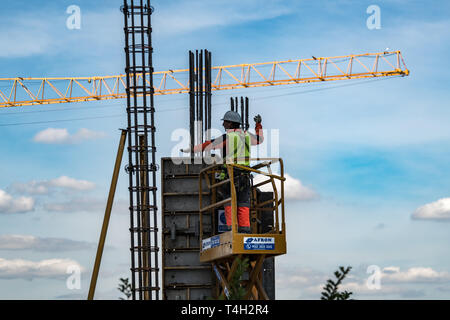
point(238, 147)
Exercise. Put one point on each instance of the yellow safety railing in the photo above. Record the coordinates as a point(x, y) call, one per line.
point(208, 174)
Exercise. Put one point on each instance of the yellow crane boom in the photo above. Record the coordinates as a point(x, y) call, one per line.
point(36, 91)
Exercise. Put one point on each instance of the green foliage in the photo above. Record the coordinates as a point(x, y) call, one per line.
point(331, 288)
point(235, 288)
point(125, 288)
point(237, 291)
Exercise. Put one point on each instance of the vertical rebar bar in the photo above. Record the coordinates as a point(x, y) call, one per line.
point(143, 161)
point(247, 124)
point(201, 92)
point(191, 102)
point(209, 93)
point(146, 256)
point(197, 96)
point(242, 114)
point(205, 116)
point(130, 155)
point(153, 165)
point(135, 140)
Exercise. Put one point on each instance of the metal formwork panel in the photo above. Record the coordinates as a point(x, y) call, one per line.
point(184, 277)
point(268, 269)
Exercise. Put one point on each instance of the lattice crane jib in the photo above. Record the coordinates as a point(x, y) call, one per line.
point(26, 91)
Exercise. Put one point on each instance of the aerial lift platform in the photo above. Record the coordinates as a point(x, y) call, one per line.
point(225, 250)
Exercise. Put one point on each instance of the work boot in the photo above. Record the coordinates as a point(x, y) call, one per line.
point(244, 230)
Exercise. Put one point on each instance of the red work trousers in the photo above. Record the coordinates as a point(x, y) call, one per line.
point(243, 189)
point(243, 216)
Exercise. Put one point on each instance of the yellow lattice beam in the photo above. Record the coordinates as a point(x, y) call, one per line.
point(19, 91)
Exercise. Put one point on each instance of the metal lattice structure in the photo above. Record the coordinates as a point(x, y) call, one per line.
point(141, 150)
point(22, 91)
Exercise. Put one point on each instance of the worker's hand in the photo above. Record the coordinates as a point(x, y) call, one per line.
point(186, 150)
point(257, 118)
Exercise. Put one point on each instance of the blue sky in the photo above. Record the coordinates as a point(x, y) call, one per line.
point(373, 153)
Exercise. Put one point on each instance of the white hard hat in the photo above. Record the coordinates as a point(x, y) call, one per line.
point(232, 116)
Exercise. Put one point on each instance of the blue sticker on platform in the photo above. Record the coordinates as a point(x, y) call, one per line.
point(210, 242)
point(259, 243)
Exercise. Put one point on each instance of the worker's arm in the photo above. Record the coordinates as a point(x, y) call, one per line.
point(257, 138)
point(208, 145)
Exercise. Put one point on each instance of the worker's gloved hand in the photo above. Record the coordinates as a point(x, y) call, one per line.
point(257, 118)
point(186, 150)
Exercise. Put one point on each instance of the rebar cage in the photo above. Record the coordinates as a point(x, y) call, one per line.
point(141, 150)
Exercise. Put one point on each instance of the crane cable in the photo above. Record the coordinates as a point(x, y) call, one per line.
point(182, 108)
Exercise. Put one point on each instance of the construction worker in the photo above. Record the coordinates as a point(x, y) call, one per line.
point(235, 145)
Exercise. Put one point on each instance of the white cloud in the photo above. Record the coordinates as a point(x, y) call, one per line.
point(389, 270)
point(183, 17)
point(87, 205)
point(293, 188)
point(25, 44)
point(411, 283)
point(70, 183)
point(360, 289)
point(9, 204)
point(29, 242)
point(32, 187)
point(62, 136)
point(415, 274)
point(44, 32)
point(393, 281)
point(44, 187)
point(77, 205)
point(303, 277)
point(24, 36)
point(438, 210)
point(52, 135)
point(24, 269)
